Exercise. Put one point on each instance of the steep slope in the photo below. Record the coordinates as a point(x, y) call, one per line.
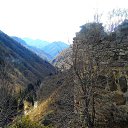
point(64, 59)
point(36, 43)
point(51, 49)
point(19, 40)
point(40, 53)
point(27, 66)
point(55, 48)
point(56, 101)
point(34, 49)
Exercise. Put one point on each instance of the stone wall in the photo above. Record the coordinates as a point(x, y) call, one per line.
point(109, 65)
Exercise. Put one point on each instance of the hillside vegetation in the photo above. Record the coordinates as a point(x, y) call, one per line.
point(93, 92)
point(90, 89)
point(63, 61)
point(21, 72)
point(27, 63)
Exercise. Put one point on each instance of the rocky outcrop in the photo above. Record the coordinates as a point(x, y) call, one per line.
point(104, 62)
point(64, 60)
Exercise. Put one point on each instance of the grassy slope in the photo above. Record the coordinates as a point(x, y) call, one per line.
point(56, 102)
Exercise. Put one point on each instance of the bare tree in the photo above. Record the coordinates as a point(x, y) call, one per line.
point(86, 67)
point(116, 17)
point(95, 53)
point(8, 98)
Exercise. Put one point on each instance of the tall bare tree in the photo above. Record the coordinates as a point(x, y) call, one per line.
point(116, 17)
point(86, 66)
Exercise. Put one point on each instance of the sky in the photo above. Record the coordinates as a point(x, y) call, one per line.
point(51, 20)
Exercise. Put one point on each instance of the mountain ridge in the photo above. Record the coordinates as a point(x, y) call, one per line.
point(35, 42)
point(28, 64)
point(34, 49)
point(55, 48)
point(51, 49)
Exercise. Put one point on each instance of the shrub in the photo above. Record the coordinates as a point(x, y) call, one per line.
point(25, 122)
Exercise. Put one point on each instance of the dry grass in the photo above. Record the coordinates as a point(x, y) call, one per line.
point(36, 114)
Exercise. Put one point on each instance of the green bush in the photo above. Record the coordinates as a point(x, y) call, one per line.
point(25, 122)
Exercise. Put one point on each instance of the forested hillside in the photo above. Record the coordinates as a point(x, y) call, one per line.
point(29, 64)
point(64, 59)
point(20, 71)
point(88, 89)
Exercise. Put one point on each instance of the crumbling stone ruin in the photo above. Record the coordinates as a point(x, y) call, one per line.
point(101, 59)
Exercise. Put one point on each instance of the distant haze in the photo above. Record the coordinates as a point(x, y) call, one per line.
point(50, 20)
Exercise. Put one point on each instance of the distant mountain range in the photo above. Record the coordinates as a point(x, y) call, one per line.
point(44, 49)
point(34, 49)
point(22, 65)
point(55, 48)
point(36, 43)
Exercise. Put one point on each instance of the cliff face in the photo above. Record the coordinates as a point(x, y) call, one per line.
point(101, 66)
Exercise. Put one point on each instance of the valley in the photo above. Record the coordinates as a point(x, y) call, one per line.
point(54, 85)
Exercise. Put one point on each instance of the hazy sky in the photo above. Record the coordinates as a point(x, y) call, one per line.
point(50, 20)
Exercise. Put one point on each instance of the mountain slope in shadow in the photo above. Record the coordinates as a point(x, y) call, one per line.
point(25, 66)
